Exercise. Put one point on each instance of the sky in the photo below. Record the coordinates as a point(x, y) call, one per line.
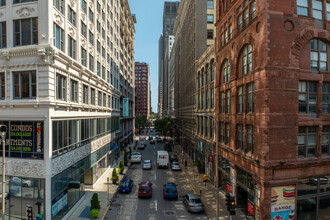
point(149, 27)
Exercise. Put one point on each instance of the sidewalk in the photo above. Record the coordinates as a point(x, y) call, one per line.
point(208, 192)
point(101, 187)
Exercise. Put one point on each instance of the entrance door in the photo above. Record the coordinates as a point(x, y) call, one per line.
point(242, 197)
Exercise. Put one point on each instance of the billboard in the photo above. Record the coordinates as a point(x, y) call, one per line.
point(125, 107)
point(283, 202)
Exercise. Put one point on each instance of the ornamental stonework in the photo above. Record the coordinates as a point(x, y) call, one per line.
point(97, 144)
point(24, 12)
point(18, 167)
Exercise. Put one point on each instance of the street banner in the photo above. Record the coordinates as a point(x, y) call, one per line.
point(283, 203)
point(125, 107)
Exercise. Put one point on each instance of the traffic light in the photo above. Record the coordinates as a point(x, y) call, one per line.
point(29, 214)
point(228, 199)
point(232, 210)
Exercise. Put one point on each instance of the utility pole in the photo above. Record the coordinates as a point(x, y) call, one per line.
point(3, 131)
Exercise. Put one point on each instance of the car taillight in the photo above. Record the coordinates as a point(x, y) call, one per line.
point(191, 206)
point(164, 193)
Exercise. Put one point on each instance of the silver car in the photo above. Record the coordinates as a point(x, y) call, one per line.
point(147, 165)
point(193, 203)
point(175, 166)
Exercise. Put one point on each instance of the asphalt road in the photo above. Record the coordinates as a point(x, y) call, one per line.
point(129, 206)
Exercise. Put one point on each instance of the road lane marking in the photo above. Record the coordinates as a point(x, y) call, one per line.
point(155, 176)
point(188, 181)
point(156, 205)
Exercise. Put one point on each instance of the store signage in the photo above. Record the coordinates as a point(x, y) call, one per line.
point(25, 136)
point(211, 159)
point(60, 204)
point(283, 202)
point(228, 189)
point(250, 207)
point(125, 107)
point(233, 180)
point(256, 202)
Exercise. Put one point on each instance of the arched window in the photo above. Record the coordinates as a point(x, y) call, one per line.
point(318, 55)
point(247, 60)
point(226, 71)
point(212, 70)
point(202, 77)
point(199, 79)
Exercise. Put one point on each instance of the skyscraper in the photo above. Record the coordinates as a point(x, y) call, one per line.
point(142, 107)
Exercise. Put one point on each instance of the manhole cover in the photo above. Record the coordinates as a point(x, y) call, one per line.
point(115, 204)
point(169, 213)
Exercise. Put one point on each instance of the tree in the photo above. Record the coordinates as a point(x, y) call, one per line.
point(95, 202)
point(164, 126)
point(152, 116)
point(140, 122)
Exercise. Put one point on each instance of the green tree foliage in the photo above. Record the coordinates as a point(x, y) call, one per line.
point(121, 165)
point(152, 116)
point(114, 174)
point(140, 122)
point(164, 126)
point(94, 213)
point(125, 157)
point(95, 202)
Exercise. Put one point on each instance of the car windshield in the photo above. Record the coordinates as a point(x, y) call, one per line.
point(170, 190)
point(136, 154)
point(195, 200)
point(123, 184)
point(144, 188)
point(175, 163)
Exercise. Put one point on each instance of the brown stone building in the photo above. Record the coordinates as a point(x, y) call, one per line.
point(273, 105)
point(142, 103)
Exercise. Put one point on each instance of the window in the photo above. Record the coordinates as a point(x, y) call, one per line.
point(206, 99)
point(22, 1)
point(3, 35)
point(328, 11)
point(199, 98)
point(60, 87)
point(99, 97)
point(92, 96)
point(83, 29)
point(98, 26)
point(25, 31)
point(83, 57)
point(91, 62)
point(252, 10)
point(223, 101)
point(91, 37)
point(222, 132)
point(91, 16)
point(202, 101)
point(199, 80)
point(58, 37)
point(239, 19)
point(241, 100)
point(109, 101)
point(211, 128)
point(85, 94)
point(307, 139)
point(212, 70)
point(59, 4)
point(74, 91)
point(226, 71)
point(247, 60)
point(212, 98)
point(24, 85)
point(249, 134)
point(228, 134)
point(326, 98)
point(325, 141)
point(206, 74)
point(317, 7)
point(98, 46)
point(84, 6)
point(206, 127)
point(228, 101)
point(72, 16)
point(210, 4)
point(71, 47)
point(98, 68)
point(307, 97)
point(98, 7)
point(319, 55)
point(104, 100)
point(240, 136)
point(2, 85)
point(245, 17)
point(250, 97)
point(302, 7)
point(210, 19)
point(210, 34)
point(3, 2)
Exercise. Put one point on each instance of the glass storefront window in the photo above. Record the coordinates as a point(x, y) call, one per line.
point(307, 186)
point(324, 208)
point(324, 184)
point(306, 209)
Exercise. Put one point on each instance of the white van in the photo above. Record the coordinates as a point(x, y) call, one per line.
point(162, 159)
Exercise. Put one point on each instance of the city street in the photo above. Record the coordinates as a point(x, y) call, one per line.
point(129, 206)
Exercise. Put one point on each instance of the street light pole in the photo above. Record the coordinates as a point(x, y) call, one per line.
point(3, 131)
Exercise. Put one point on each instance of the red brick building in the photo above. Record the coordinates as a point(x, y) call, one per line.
point(142, 104)
point(273, 105)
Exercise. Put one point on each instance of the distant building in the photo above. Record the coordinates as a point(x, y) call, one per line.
point(142, 105)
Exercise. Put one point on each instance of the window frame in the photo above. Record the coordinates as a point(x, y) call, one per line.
point(74, 91)
point(306, 144)
point(19, 35)
point(3, 34)
point(61, 87)
point(32, 85)
point(307, 94)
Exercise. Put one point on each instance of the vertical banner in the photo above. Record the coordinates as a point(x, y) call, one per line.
point(257, 202)
point(283, 202)
point(125, 107)
point(233, 181)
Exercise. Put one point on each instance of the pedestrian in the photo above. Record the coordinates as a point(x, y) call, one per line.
point(205, 179)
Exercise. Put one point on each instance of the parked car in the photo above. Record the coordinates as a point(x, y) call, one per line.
point(175, 166)
point(145, 190)
point(136, 157)
point(193, 203)
point(147, 165)
point(150, 138)
point(141, 146)
point(170, 191)
point(125, 186)
point(158, 139)
point(173, 158)
point(143, 141)
point(152, 141)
